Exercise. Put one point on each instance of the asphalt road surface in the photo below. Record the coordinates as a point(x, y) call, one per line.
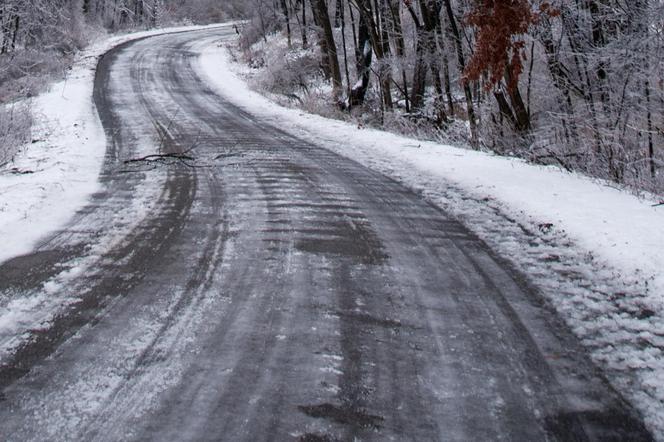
point(263, 288)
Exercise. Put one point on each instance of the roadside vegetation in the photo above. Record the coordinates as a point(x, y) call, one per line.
point(579, 85)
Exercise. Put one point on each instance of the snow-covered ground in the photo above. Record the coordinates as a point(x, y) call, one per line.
point(54, 176)
point(595, 252)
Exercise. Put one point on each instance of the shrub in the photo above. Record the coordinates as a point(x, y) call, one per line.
point(15, 124)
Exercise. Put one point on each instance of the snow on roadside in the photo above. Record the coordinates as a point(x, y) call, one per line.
point(54, 176)
point(595, 252)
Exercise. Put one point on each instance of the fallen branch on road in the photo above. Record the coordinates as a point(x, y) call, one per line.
point(161, 157)
point(154, 160)
point(17, 171)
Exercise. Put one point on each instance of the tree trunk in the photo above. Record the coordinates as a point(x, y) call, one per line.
point(651, 145)
point(359, 90)
point(342, 14)
point(521, 114)
point(303, 27)
point(504, 108)
point(384, 74)
point(284, 10)
point(17, 22)
point(446, 69)
point(419, 73)
point(461, 61)
point(2, 29)
point(328, 47)
point(385, 68)
point(338, 14)
point(399, 43)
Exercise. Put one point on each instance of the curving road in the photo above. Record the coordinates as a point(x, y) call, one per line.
point(263, 288)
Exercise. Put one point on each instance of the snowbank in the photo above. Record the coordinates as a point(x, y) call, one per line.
point(54, 176)
point(595, 252)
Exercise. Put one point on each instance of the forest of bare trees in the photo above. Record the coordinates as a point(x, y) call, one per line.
point(575, 83)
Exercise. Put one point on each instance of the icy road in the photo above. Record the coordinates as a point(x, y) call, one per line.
point(232, 282)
